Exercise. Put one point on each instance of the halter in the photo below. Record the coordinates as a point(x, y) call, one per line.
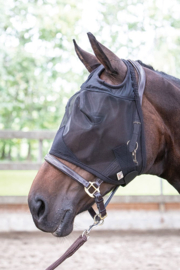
point(93, 188)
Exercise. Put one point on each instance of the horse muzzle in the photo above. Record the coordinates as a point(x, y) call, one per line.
point(57, 221)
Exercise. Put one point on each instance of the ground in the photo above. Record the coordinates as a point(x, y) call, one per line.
point(117, 250)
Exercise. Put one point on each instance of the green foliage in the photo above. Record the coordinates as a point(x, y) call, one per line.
point(35, 36)
point(145, 30)
point(38, 70)
point(34, 64)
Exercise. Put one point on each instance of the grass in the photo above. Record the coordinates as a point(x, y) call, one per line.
point(18, 183)
point(147, 185)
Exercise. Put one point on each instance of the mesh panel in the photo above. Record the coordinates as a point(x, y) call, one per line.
point(96, 127)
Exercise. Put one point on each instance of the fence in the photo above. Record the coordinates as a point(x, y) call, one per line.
point(35, 135)
point(40, 136)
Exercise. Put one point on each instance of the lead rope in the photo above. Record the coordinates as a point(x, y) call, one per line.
point(75, 246)
point(82, 238)
point(69, 252)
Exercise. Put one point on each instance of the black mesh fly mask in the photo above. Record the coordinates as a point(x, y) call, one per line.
point(102, 132)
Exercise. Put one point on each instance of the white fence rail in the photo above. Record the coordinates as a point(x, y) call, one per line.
point(39, 135)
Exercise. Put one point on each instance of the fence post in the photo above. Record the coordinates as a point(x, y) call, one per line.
point(161, 204)
point(40, 150)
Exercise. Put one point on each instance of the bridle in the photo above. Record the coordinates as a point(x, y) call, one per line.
point(93, 188)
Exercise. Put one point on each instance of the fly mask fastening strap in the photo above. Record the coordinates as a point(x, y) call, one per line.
point(141, 86)
point(142, 78)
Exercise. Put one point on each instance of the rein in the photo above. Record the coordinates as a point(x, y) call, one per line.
point(93, 188)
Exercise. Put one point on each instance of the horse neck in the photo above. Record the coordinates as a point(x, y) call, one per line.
point(161, 109)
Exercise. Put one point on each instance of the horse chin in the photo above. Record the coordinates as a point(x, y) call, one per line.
point(61, 226)
point(65, 226)
point(60, 232)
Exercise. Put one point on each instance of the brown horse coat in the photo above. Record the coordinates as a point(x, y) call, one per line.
point(55, 199)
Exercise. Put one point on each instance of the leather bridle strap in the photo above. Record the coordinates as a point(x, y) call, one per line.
point(65, 169)
point(91, 188)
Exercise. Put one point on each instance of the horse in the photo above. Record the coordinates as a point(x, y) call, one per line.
point(55, 198)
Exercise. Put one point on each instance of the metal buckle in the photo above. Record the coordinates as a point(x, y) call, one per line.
point(96, 223)
point(101, 218)
point(96, 189)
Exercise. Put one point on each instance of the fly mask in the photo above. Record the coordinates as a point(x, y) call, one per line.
point(102, 132)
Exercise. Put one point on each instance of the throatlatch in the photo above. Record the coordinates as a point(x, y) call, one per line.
point(102, 132)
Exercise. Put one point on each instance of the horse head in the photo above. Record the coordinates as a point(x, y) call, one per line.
point(94, 137)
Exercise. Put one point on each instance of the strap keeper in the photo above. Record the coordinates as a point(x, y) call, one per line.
point(100, 205)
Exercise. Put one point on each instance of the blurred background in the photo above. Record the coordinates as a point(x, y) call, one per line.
point(39, 71)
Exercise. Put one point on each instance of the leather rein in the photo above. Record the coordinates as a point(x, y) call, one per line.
point(92, 188)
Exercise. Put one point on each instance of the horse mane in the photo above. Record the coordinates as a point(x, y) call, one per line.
point(163, 74)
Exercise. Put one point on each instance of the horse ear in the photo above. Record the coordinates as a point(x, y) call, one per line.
point(88, 59)
point(113, 64)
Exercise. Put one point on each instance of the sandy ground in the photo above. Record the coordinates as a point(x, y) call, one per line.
point(157, 250)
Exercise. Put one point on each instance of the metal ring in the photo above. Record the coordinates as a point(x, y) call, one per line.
point(136, 146)
point(101, 222)
point(96, 221)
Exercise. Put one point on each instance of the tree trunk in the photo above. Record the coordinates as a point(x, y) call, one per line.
point(29, 152)
point(3, 153)
point(9, 153)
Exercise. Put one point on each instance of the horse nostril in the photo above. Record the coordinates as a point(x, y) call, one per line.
point(40, 208)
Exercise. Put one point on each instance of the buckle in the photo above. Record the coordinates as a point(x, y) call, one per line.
point(87, 189)
point(99, 221)
point(102, 218)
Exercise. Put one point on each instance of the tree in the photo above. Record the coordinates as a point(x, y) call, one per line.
point(35, 69)
point(38, 66)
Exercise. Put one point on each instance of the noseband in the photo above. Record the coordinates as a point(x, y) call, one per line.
point(93, 188)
